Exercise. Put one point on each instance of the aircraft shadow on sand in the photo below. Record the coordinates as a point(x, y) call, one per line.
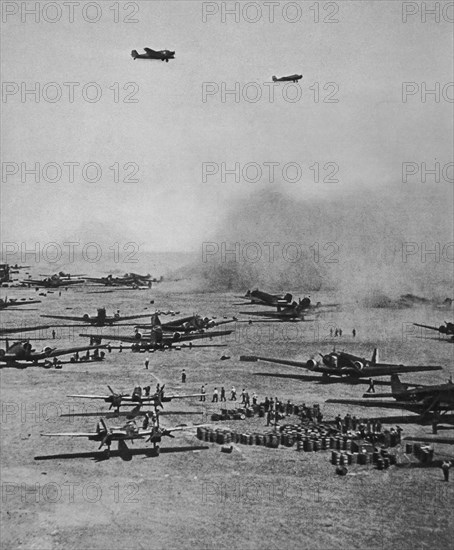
point(321, 380)
point(125, 454)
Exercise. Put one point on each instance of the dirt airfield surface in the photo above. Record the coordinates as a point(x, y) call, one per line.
point(192, 495)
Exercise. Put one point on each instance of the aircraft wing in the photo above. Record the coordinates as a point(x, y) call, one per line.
point(299, 364)
point(129, 317)
point(90, 396)
point(65, 351)
point(214, 334)
point(68, 317)
point(71, 434)
point(23, 329)
point(426, 326)
point(430, 439)
point(378, 404)
point(374, 370)
point(179, 396)
point(114, 337)
point(182, 428)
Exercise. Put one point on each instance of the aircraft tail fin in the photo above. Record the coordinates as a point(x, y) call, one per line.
point(274, 78)
point(134, 54)
point(396, 384)
point(374, 359)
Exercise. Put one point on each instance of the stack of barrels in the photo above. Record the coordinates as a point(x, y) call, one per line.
point(223, 437)
point(423, 453)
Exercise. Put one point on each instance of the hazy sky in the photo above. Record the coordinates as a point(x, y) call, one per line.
point(170, 132)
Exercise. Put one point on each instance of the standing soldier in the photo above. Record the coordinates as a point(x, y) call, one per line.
point(354, 333)
point(243, 396)
point(183, 376)
point(233, 394)
point(215, 396)
point(223, 394)
point(147, 362)
point(371, 388)
point(445, 467)
point(202, 391)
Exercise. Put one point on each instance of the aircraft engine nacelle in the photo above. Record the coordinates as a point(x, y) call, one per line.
point(186, 326)
point(358, 365)
point(86, 317)
point(176, 336)
point(311, 364)
point(288, 298)
point(47, 350)
point(138, 336)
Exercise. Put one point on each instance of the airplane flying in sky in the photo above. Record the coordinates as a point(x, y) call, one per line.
point(163, 55)
point(345, 364)
point(421, 399)
point(292, 78)
point(12, 303)
point(129, 432)
point(99, 320)
point(447, 328)
point(136, 398)
point(22, 354)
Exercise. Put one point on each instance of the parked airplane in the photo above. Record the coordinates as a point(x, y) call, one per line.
point(155, 339)
point(136, 398)
point(258, 297)
point(22, 354)
point(54, 281)
point(186, 324)
point(423, 400)
point(12, 303)
point(346, 364)
point(129, 432)
point(128, 279)
point(99, 320)
point(163, 55)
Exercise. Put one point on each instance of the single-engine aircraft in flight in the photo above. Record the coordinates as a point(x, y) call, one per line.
point(99, 320)
point(447, 328)
point(12, 303)
point(424, 400)
point(163, 55)
point(54, 281)
point(22, 354)
point(136, 398)
point(292, 78)
point(340, 363)
point(129, 432)
point(186, 324)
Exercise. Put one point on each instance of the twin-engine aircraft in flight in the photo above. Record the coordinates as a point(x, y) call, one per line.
point(163, 55)
point(344, 364)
